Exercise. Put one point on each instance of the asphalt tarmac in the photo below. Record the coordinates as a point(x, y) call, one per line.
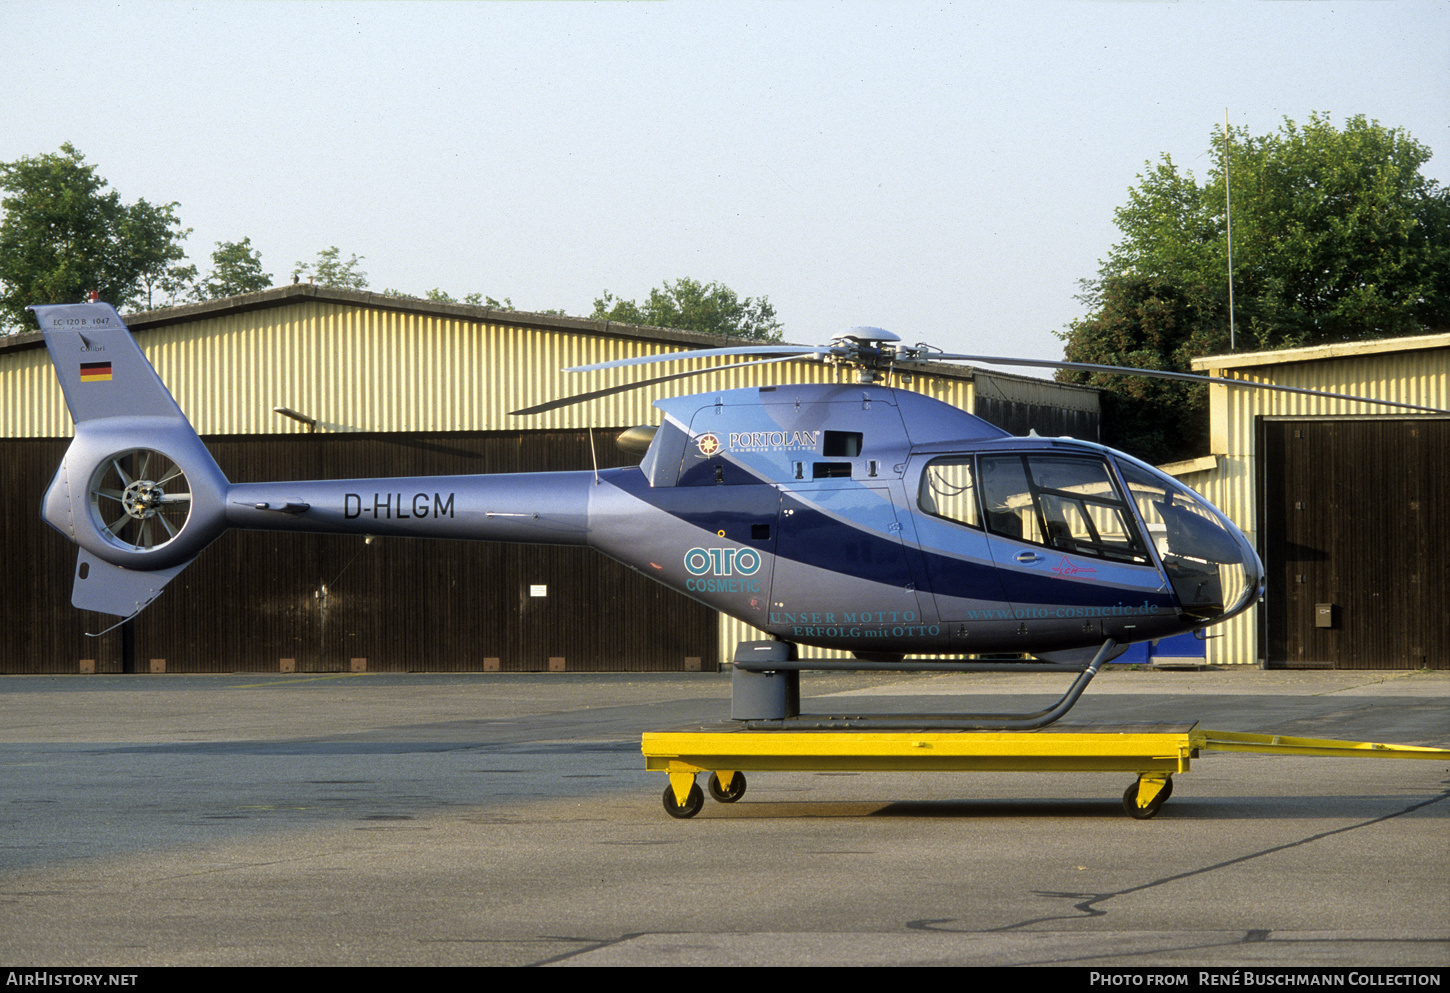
point(499, 819)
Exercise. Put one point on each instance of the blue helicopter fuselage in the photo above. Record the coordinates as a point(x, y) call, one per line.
point(858, 517)
point(817, 513)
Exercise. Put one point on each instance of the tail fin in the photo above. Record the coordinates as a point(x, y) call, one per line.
point(101, 370)
point(137, 490)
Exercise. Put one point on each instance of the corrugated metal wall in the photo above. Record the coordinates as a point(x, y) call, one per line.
point(31, 405)
point(43, 633)
point(1409, 370)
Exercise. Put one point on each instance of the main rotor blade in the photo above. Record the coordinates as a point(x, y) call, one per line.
point(626, 387)
point(791, 351)
point(1161, 374)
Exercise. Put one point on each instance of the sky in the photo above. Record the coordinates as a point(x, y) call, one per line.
point(948, 171)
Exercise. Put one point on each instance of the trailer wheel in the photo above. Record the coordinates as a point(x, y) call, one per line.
point(1130, 800)
point(735, 792)
point(693, 802)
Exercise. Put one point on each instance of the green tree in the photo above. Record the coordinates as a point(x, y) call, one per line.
point(236, 268)
point(1148, 324)
point(329, 270)
point(65, 236)
point(151, 246)
point(437, 295)
point(473, 299)
point(482, 300)
point(689, 305)
point(1337, 236)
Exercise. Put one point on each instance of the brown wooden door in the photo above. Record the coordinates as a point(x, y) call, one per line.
point(1357, 544)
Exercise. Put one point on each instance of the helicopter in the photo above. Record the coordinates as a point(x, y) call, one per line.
point(854, 516)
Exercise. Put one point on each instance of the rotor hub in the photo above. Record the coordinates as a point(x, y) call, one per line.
point(873, 351)
point(142, 499)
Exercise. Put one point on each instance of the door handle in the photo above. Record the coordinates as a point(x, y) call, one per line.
point(1027, 558)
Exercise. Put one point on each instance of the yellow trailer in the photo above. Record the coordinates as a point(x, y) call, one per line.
point(1154, 752)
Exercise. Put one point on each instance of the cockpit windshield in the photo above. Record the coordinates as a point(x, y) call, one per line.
point(1214, 571)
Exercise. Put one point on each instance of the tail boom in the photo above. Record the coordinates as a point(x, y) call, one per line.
point(545, 508)
point(141, 495)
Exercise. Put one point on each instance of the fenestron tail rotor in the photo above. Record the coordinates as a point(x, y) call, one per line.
point(140, 499)
point(137, 490)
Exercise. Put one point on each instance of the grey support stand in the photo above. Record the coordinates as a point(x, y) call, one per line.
point(765, 690)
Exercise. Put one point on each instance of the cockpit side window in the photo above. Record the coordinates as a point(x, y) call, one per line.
point(1070, 503)
point(948, 489)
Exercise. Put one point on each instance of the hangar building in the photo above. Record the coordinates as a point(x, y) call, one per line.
point(392, 386)
point(1348, 503)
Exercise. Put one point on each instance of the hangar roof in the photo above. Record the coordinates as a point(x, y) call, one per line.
point(357, 360)
point(1315, 353)
point(281, 296)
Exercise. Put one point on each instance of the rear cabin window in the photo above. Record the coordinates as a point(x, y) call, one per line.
point(948, 490)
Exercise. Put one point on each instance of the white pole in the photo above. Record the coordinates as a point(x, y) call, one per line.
point(1228, 217)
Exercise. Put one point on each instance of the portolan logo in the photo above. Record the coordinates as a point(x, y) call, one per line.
point(708, 444)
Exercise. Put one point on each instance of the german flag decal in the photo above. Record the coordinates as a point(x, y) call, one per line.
point(95, 372)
